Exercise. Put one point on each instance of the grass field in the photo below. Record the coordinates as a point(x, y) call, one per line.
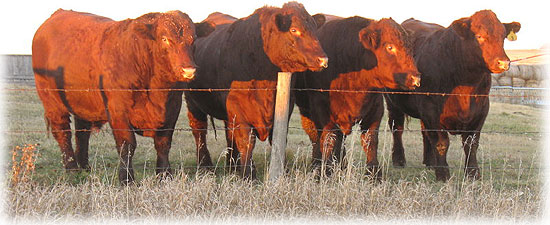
point(509, 192)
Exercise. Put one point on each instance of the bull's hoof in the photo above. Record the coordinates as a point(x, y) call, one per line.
point(86, 168)
point(374, 173)
point(205, 163)
point(164, 174)
point(249, 173)
point(473, 173)
point(72, 166)
point(399, 163)
point(206, 166)
point(126, 176)
point(322, 171)
point(442, 174)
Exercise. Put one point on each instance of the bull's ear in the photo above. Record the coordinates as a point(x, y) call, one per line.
point(369, 38)
point(462, 27)
point(511, 30)
point(283, 22)
point(320, 19)
point(144, 30)
point(203, 29)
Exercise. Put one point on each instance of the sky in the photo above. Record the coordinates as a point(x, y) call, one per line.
point(21, 18)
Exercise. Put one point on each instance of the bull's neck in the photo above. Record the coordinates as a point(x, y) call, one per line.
point(245, 43)
point(460, 65)
point(360, 80)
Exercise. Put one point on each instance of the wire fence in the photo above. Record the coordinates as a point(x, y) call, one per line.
point(521, 95)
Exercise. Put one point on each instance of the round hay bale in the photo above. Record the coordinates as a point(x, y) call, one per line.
point(540, 72)
point(517, 82)
point(532, 83)
point(544, 83)
point(525, 72)
point(494, 81)
point(512, 72)
point(505, 81)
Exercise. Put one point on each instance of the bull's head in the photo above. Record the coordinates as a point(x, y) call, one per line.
point(289, 39)
point(173, 34)
point(391, 45)
point(483, 35)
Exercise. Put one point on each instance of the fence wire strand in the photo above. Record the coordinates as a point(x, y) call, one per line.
point(274, 89)
point(107, 130)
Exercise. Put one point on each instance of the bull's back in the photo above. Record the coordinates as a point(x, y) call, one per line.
point(65, 54)
point(420, 30)
point(67, 36)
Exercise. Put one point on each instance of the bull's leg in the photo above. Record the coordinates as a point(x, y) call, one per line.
point(396, 121)
point(82, 137)
point(328, 141)
point(199, 124)
point(428, 157)
point(243, 140)
point(470, 143)
point(57, 118)
point(124, 135)
point(439, 142)
point(126, 144)
point(232, 155)
point(61, 131)
point(369, 141)
point(163, 143)
point(313, 133)
point(339, 151)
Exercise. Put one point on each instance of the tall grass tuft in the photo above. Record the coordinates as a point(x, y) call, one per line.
point(23, 162)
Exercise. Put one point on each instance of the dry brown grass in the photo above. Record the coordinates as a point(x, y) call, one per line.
point(344, 196)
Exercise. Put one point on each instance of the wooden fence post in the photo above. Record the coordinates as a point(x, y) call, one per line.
point(280, 126)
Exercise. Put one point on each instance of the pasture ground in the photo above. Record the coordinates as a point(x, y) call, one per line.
point(510, 190)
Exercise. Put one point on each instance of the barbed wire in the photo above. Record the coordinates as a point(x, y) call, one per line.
point(290, 127)
point(291, 89)
point(354, 166)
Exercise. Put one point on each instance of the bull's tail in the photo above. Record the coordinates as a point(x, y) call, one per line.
point(213, 127)
point(48, 126)
point(407, 121)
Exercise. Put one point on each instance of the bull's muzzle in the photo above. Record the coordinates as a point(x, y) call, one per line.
point(504, 65)
point(407, 81)
point(415, 81)
point(188, 72)
point(323, 62)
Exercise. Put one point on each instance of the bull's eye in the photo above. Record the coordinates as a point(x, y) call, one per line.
point(295, 31)
point(391, 48)
point(480, 38)
point(165, 40)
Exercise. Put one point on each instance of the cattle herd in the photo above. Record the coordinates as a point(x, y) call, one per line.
point(132, 73)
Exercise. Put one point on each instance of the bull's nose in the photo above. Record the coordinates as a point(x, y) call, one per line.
point(415, 80)
point(188, 72)
point(503, 64)
point(323, 62)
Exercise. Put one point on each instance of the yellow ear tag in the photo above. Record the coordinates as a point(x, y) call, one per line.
point(512, 36)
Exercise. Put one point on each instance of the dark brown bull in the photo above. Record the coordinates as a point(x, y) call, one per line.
point(364, 55)
point(118, 62)
point(457, 61)
point(245, 56)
